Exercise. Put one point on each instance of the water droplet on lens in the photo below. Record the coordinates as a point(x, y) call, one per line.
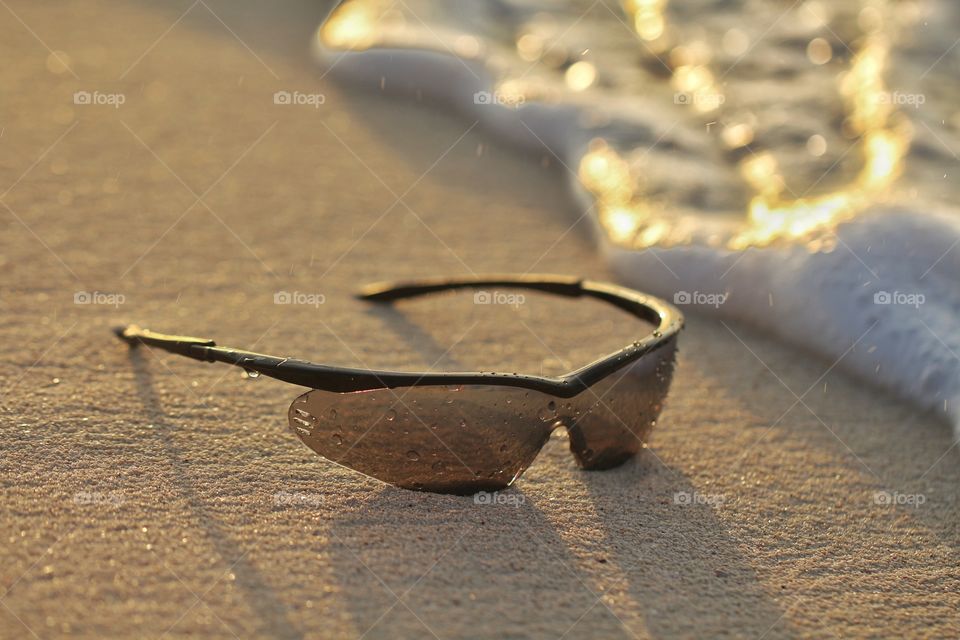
point(548, 412)
point(250, 373)
point(413, 455)
point(337, 438)
point(463, 423)
point(437, 466)
point(332, 414)
point(391, 415)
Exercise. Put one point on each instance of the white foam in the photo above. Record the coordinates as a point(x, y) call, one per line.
point(872, 306)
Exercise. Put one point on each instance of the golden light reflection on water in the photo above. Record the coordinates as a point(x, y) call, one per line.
point(352, 25)
point(580, 75)
point(648, 18)
point(773, 212)
point(884, 140)
point(771, 216)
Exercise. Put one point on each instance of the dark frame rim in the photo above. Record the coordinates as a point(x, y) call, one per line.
point(667, 318)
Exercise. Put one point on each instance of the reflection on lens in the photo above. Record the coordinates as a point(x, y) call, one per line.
point(446, 439)
point(611, 421)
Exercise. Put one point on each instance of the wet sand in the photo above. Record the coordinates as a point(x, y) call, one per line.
point(147, 495)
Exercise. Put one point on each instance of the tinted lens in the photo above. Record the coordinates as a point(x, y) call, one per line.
point(460, 439)
point(610, 421)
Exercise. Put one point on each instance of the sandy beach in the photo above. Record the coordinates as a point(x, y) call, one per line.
point(146, 495)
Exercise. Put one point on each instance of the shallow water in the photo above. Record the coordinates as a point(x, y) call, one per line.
point(793, 160)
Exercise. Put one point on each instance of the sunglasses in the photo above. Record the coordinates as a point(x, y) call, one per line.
point(463, 433)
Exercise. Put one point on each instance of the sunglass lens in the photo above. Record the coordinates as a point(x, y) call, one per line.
point(611, 421)
point(445, 439)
